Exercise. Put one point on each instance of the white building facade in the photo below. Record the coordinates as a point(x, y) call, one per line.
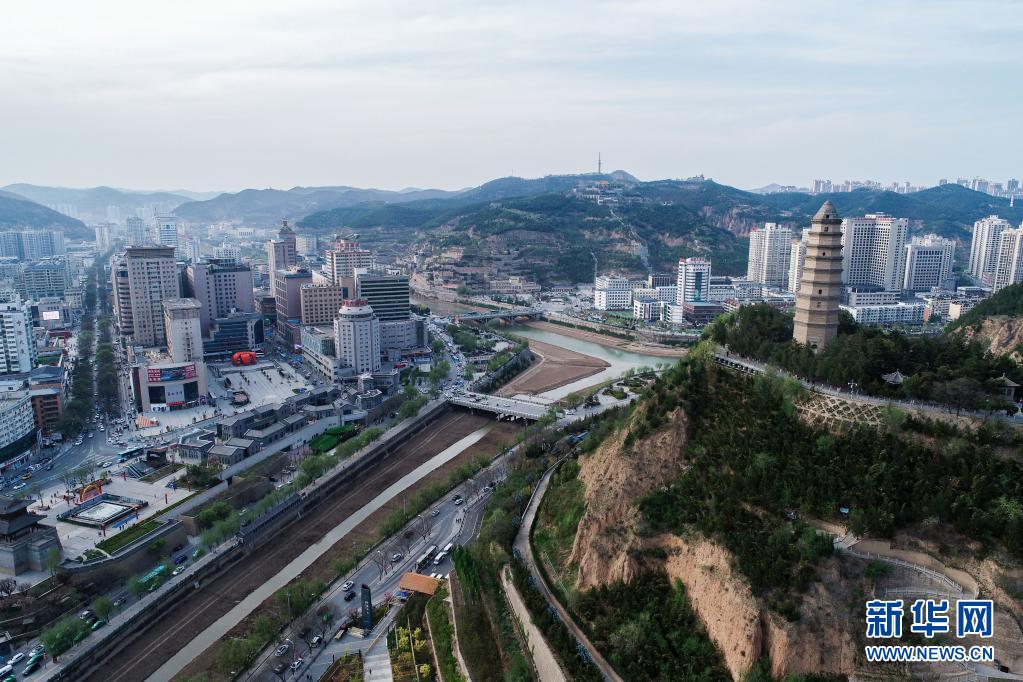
point(928, 262)
point(874, 251)
point(769, 254)
point(1009, 262)
point(797, 256)
point(17, 346)
point(984, 248)
point(357, 336)
point(693, 281)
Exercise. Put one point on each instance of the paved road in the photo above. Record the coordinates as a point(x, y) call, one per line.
point(525, 550)
point(456, 524)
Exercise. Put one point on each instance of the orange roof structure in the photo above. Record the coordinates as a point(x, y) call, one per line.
point(423, 584)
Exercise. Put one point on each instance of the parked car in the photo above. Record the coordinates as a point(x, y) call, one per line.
point(282, 649)
point(298, 663)
point(315, 641)
point(17, 658)
point(396, 556)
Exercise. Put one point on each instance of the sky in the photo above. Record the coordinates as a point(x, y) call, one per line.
point(223, 95)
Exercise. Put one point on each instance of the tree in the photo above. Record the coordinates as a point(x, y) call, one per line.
point(103, 607)
point(135, 586)
point(52, 560)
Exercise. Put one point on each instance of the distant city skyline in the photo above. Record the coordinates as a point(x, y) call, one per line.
point(451, 94)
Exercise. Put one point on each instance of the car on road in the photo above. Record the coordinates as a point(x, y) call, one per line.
point(17, 658)
point(435, 512)
point(299, 662)
point(27, 475)
point(37, 649)
point(179, 570)
point(458, 501)
point(180, 559)
point(106, 463)
point(396, 556)
point(315, 641)
point(282, 649)
point(350, 596)
point(97, 624)
point(19, 486)
point(348, 585)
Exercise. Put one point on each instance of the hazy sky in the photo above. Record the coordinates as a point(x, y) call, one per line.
point(225, 95)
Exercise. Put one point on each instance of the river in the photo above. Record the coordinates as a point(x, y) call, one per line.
point(620, 361)
point(221, 627)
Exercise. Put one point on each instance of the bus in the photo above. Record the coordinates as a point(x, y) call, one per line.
point(152, 580)
point(422, 561)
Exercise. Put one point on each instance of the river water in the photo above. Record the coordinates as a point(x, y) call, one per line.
point(221, 627)
point(619, 360)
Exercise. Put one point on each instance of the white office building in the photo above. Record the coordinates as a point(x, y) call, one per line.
point(227, 252)
point(770, 249)
point(17, 419)
point(797, 256)
point(928, 262)
point(1009, 264)
point(612, 293)
point(17, 345)
point(874, 251)
point(693, 281)
point(167, 232)
point(357, 336)
point(984, 248)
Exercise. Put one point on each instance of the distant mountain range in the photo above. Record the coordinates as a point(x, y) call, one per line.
point(92, 203)
point(19, 213)
point(268, 206)
point(557, 234)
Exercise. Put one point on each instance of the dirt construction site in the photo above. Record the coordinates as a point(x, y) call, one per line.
point(203, 607)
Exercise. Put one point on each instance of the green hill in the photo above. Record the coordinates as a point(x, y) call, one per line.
point(19, 213)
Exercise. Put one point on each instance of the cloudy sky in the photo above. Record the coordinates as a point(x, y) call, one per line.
point(218, 95)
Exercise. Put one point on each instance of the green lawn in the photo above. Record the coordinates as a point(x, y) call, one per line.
point(128, 536)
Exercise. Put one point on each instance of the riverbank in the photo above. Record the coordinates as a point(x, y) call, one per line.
point(609, 341)
point(555, 368)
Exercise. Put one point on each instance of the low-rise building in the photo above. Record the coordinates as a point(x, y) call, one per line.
point(25, 541)
point(900, 313)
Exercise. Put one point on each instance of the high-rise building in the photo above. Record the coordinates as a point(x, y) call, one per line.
point(194, 250)
point(167, 232)
point(797, 255)
point(693, 281)
point(928, 262)
point(137, 232)
point(874, 251)
point(143, 276)
point(17, 345)
point(387, 294)
point(103, 236)
point(281, 254)
point(307, 244)
point(288, 300)
point(184, 329)
point(357, 336)
point(769, 250)
point(320, 302)
point(222, 286)
point(344, 258)
point(1009, 264)
point(45, 279)
point(984, 248)
point(820, 292)
point(32, 245)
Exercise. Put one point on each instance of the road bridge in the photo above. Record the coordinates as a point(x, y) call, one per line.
point(521, 407)
point(510, 313)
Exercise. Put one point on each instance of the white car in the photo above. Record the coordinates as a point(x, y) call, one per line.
point(348, 585)
point(106, 464)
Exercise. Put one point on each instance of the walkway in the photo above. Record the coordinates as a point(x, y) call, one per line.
point(545, 662)
point(523, 547)
point(377, 662)
point(750, 366)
